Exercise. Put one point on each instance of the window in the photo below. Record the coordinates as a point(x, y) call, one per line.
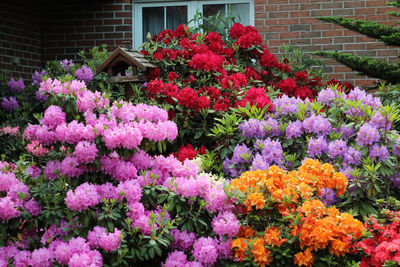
point(155, 16)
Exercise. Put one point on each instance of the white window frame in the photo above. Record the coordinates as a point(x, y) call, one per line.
point(192, 6)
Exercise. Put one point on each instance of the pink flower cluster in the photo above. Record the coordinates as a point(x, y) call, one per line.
point(99, 238)
point(13, 131)
point(16, 195)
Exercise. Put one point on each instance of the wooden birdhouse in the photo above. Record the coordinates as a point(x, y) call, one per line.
point(119, 61)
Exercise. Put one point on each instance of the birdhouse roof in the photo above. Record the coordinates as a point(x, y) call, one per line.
point(131, 57)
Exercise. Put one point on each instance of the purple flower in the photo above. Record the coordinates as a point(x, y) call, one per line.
point(271, 127)
point(337, 148)
point(42, 257)
point(16, 86)
point(272, 151)
point(9, 104)
point(8, 209)
point(317, 146)
point(53, 116)
point(252, 128)
point(37, 77)
point(294, 129)
point(326, 96)
point(52, 167)
point(205, 250)
point(352, 156)
point(380, 153)
point(346, 131)
point(367, 135)
point(66, 64)
point(33, 171)
point(241, 154)
point(317, 124)
point(183, 240)
point(85, 152)
point(84, 74)
point(226, 224)
point(380, 122)
point(83, 197)
point(329, 197)
point(259, 163)
point(41, 97)
point(175, 258)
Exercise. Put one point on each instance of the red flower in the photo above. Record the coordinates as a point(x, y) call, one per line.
point(302, 76)
point(236, 30)
point(268, 60)
point(234, 81)
point(180, 31)
point(256, 97)
point(303, 92)
point(206, 61)
point(172, 75)
point(187, 97)
point(288, 86)
point(152, 74)
point(249, 39)
point(222, 104)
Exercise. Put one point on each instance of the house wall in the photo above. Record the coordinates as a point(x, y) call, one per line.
point(20, 38)
point(36, 31)
point(70, 26)
point(294, 22)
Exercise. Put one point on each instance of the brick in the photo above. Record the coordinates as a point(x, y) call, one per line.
point(288, 7)
point(341, 40)
point(104, 15)
point(300, 41)
point(278, 15)
point(312, 34)
point(320, 13)
point(354, 4)
point(287, 35)
point(299, 14)
point(300, 27)
point(343, 12)
point(332, 33)
point(367, 53)
point(365, 11)
point(278, 28)
point(375, 3)
point(322, 41)
point(104, 29)
point(386, 53)
point(309, 6)
point(332, 5)
point(288, 21)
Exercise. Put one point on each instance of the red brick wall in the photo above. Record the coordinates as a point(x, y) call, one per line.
point(70, 26)
point(294, 22)
point(20, 37)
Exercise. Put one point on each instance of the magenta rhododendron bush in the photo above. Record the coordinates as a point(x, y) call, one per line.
point(101, 196)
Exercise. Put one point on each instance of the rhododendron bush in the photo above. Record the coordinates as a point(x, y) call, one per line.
point(351, 131)
point(284, 222)
point(200, 76)
point(99, 196)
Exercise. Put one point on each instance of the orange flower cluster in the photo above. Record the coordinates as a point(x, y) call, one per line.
point(300, 215)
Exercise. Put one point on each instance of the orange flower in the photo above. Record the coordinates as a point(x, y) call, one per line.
point(339, 247)
point(246, 232)
point(305, 258)
point(239, 247)
point(261, 255)
point(255, 199)
point(272, 237)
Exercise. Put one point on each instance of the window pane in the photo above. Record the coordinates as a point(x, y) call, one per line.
point(176, 15)
point(243, 11)
point(153, 20)
point(212, 10)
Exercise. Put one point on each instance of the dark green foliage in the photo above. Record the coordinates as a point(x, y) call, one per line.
point(388, 34)
point(366, 65)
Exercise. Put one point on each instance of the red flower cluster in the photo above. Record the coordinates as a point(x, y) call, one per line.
point(189, 152)
point(234, 81)
point(385, 245)
point(256, 96)
point(344, 87)
point(207, 61)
